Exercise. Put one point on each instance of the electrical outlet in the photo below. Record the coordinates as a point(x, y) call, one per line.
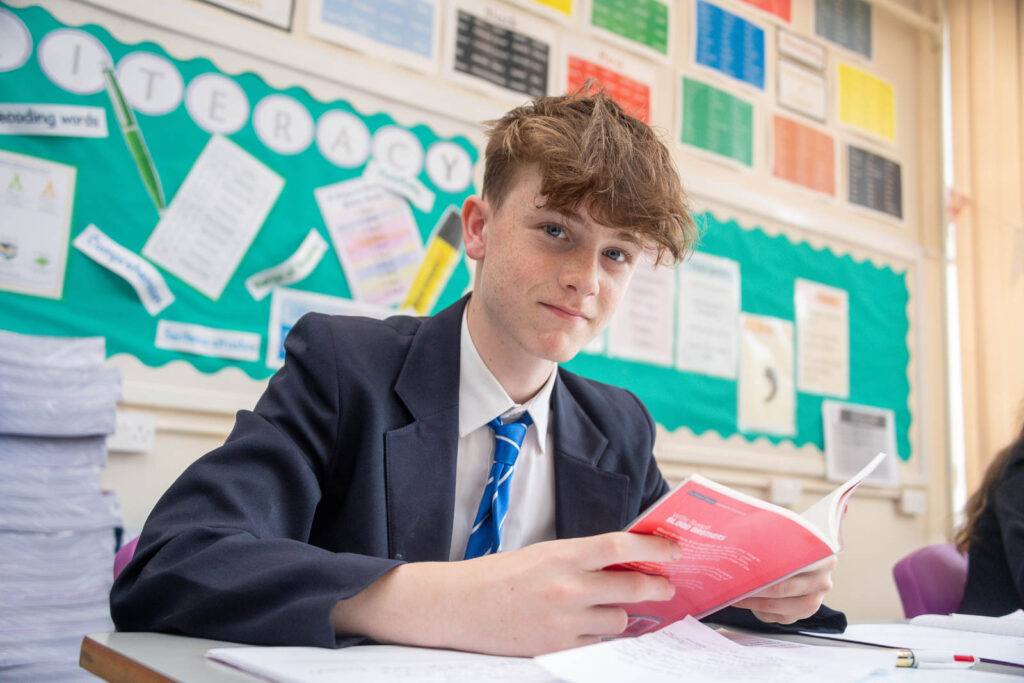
point(134, 433)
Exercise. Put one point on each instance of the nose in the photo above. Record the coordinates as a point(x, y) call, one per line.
point(579, 273)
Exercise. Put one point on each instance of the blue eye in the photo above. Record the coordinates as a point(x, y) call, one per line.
point(554, 230)
point(617, 255)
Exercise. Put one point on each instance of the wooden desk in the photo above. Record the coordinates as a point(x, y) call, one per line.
point(155, 658)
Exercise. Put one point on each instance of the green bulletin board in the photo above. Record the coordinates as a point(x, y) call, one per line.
point(769, 268)
point(110, 194)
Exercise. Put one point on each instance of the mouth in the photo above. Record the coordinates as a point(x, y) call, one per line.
point(564, 313)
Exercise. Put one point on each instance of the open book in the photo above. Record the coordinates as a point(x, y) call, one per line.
point(734, 545)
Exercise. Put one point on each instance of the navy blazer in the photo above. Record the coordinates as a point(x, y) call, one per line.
point(346, 468)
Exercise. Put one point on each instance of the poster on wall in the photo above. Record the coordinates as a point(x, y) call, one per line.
point(822, 339)
point(781, 9)
point(866, 103)
point(274, 12)
point(641, 26)
point(627, 79)
point(729, 44)
point(801, 90)
point(799, 49)
point(36, 198)
point(803, 155)
point(406, 32)
point(643, 327)
point(495, 49)
point(854, 434)
point(563, 11)
point(875, 182)
point(766, 393)
point(846, 23)
point(718, 122)
point(707, 317)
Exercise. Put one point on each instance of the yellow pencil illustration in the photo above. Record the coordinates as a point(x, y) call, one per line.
point(439, 263)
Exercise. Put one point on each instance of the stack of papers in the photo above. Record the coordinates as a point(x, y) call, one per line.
point(684, 651)
point(57, 405)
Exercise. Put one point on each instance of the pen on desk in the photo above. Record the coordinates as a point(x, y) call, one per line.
point(133, 138)
point(925, 659)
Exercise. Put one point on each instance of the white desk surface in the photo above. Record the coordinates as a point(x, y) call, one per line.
point(158, 657)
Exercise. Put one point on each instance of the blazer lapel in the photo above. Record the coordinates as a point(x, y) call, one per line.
point(420, 458)
point(588, 499)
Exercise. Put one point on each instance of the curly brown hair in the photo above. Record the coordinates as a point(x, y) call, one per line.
point(593, 155)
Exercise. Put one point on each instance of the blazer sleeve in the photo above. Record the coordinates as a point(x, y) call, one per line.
point(225, 552)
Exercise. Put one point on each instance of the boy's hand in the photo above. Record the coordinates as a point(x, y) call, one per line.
point(798, 597)
point(542, 598)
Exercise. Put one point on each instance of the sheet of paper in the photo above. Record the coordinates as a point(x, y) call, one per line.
point(207, 341)
point(997, 648)
point(379, 664)
point(288, 305)
point(822, 339)
point(802, 90)
point(627, 79)
point(560, 10)
point(867, 102)
point(297, 267)
point(803, 155)
point(846, 23)
point(274, 12)
point(853, 435)
point(729, 44)
point(795, 46)
point(875, 182)
point(36, 197)
point(1011, 624)
point(718, 122)
point(643, 26)
point(375, 236)
point(146, 280)
point(690, 651)
point(405, 32)
point(214, 217)
point(499, 50)
point(642, 329)
point(766, 393)
point(708, 314)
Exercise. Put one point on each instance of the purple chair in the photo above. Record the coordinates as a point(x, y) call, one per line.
point(931, 580)
point(124, 554)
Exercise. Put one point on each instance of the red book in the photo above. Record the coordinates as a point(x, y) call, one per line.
point(734, 545)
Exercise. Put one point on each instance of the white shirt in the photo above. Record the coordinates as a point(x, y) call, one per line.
point(531, 508)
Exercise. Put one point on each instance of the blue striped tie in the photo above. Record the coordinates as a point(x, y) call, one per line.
point(486, 535)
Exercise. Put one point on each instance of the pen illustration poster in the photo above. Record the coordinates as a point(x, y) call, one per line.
point(253, 155)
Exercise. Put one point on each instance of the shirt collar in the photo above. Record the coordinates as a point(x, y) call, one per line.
point(482, 398)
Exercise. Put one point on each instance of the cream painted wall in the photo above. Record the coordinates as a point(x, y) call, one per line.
point(194, 412)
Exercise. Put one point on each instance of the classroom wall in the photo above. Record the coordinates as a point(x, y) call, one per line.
point(194, 411)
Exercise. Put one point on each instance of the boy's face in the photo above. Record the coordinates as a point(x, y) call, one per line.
point(546, 283)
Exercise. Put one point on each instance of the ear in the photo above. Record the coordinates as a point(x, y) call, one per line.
point(476, 215)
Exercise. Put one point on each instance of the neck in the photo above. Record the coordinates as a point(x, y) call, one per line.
point(520, 374)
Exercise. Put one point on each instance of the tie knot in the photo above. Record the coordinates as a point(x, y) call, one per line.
point(508, 438)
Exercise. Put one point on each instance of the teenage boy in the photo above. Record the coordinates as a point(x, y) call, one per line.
point(369, 493)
